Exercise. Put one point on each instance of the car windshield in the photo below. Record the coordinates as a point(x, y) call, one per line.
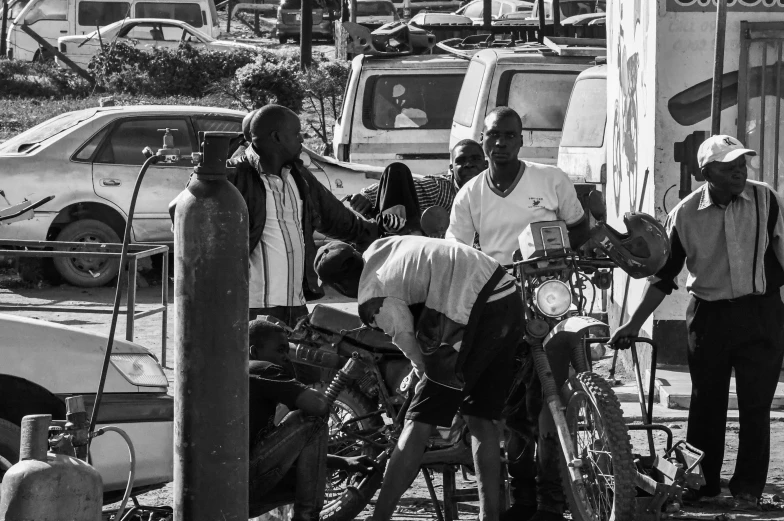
point(576, 7)
point(27, 140)
point(15, 8)
point(375, 9)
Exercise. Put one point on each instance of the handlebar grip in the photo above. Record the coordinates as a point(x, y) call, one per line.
point(316, 357)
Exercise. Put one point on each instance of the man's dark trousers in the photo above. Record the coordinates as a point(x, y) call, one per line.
point(746, 335)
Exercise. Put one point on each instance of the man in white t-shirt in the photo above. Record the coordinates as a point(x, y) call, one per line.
point(498, 204)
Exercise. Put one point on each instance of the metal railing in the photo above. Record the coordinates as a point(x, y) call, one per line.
point(51, 249)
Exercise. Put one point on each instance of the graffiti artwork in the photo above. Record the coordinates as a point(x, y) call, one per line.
point(732, 5)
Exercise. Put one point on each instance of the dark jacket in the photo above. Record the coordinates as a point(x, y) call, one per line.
point(322, 211)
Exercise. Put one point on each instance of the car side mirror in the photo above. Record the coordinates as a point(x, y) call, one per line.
point(596, 205)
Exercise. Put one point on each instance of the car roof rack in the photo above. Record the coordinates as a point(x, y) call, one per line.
point(391, 39)
point(468, 46)
point(576, 46)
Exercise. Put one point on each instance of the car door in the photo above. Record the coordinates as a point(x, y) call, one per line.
point(119, 158)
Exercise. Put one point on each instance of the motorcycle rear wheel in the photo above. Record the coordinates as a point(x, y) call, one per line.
point(347, 494)
point(600, 438)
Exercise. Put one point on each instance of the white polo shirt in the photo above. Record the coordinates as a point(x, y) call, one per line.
point(277, 264)
point(539, 193)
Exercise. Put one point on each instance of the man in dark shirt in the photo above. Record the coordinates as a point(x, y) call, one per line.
point(729, 234)
point(288, 462)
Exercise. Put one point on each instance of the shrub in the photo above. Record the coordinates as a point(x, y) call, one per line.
point(35, 80)
point(323, 86)
point(184, 71)
point(270, 79)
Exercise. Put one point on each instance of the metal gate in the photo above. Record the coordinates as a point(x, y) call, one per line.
point(759, 99)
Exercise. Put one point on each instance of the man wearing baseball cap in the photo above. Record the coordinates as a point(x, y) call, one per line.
point(456, 315)
point(729, 234)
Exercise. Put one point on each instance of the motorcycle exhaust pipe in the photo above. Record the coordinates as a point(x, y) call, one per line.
point(316, 357)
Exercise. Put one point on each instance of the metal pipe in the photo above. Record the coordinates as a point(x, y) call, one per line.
point(718, 65)
point(556, 17)
point(778, 119)
point(211, 339)
point(487, 15)
point(641, 394)
point(763, 95)
point(4, 28)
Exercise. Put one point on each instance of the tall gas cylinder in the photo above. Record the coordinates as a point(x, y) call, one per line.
point(211, 342)
point(48, 487)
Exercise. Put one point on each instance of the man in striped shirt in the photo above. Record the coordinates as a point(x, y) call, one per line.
point(467, 161)
point(729, 235)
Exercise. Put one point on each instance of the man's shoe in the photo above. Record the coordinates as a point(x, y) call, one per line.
point(519, 512)
point(745, 501)
point(546, 515)
point(691, 495)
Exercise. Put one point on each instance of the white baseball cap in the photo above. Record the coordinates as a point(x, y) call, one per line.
point(721, 148)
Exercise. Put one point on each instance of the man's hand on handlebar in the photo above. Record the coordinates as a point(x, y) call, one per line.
point(360, 204)
point(356, 464)
point(621, 338)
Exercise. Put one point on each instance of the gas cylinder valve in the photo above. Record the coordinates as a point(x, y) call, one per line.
point(168, 152)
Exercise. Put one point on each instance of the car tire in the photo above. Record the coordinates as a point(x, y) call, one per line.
point(87, 272)
point(9, 445)
point(282, 39)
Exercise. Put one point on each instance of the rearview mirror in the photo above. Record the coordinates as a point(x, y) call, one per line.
point(596, 205)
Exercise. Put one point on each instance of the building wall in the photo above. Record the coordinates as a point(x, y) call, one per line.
point(661, 55)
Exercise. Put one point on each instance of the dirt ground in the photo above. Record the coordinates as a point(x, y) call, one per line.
point(416, 504)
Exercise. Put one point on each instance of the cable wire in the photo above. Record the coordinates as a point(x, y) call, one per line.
point(132, 471)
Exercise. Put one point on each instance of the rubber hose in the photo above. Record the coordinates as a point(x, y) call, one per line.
point(118, 293)
point(131, 473)
point(542, 365)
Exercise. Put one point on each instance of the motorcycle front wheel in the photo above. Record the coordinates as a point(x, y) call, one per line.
point(601, 440)
point(347, 494)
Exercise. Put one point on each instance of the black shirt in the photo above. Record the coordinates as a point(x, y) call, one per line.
point(270, 385)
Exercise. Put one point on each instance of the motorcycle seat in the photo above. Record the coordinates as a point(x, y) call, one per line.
point(341, 323)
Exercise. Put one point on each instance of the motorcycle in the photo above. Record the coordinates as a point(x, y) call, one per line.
point(602, 478)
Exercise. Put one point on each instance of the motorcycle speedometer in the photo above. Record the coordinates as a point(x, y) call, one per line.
point(553, 298)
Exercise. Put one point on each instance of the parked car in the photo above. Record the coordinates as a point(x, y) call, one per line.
point(89, 160)
point(428, 18)
point(375, 13)
point(44, 363)
point(583, 149)
point(409, 8)
point(52, 19)
point(399, 109)
point(475, 10)
point(289, 20)
point(536, 84)
point(145, 34)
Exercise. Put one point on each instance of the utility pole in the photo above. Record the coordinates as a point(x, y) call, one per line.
point(718, 65)
point(541, 20)
point(487, 15)
point(3, 30)
point(306, 35)
point(556, 17)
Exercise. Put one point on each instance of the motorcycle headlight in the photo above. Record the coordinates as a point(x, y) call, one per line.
point(553, 298)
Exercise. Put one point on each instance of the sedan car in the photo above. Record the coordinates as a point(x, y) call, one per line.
point(475, 10)
point(44, 363)
point(145, 34)
point(89, 159)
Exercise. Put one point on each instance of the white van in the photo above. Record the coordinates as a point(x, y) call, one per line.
point(537, 85)
point(399, 109)
point(583, 150)
point(52, 19)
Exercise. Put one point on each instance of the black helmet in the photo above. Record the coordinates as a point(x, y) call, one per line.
point(642, 251)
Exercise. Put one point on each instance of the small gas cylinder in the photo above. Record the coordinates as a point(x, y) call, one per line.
point(45, 486)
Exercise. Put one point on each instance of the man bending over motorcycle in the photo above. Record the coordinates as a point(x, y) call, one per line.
point(288, 462)
point(455, 313)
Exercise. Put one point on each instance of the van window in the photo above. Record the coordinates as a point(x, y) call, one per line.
point(540, 98)
point(466, 103)
point(188, 13)
point(395, 102)
point(92, 14)
point(587, 115)
point(47, 10)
